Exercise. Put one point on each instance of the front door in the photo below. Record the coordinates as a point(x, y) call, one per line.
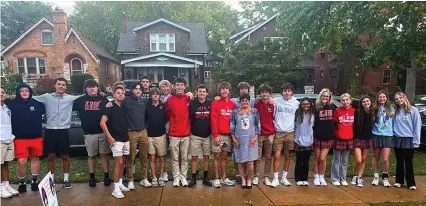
point(170, 74)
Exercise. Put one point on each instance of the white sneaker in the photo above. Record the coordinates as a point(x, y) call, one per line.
point(266, 181)
point(386, 183)
point(299, 183)
point(176, 182)
point(131, 186)
point(360, 183)
point(275, 182)
point(336, 183)
point(10, 190)
point(216, 183)
point(397, 185)
point(161, 182)
point(165, 177)
point(184, 181)
point(285, 181)
point(344, 183)
point(353, 180)
point(375, 181)
point(255, 181)
point(154, 182)
point(305, 183)
point(227, 182)
point(323, 182)
point(4, 193)
point(412, 188)
point(117, 193)
point(123, 188)
point(145, 183)
point(317, 182)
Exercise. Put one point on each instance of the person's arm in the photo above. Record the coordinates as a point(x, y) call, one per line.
point(104, 127)
point(417, 127)
point(214, 115)
point(257, 125)
point(42, 98)
point(168, 111)
point(233, 127)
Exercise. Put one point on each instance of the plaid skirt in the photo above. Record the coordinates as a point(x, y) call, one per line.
point(382, 141)
point(300, 148)
point(318, 143)
point(363, 144)
point(343, 144)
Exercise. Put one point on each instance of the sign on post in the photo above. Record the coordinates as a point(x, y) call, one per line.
point(309, 89)
point(48, 191)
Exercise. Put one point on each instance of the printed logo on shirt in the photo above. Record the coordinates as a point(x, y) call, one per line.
point(326, 114)
point(202, 112)
point(32, 108)
point(269, 109)
point(92, 105)
point(226, 113)
point(346, 119)
point(245, 122)
point(8, 113)
point(285, 110)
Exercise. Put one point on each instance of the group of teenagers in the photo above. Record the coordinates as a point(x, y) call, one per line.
point(150, 120)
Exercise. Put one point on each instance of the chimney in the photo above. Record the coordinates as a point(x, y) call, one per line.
point(124, 24)
point(60, 22)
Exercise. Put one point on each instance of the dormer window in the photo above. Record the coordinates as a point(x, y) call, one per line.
point(162, 42)
point(46, 37)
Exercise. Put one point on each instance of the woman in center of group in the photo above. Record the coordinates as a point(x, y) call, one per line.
point(245, 130)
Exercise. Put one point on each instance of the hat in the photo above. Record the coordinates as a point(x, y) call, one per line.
point(90, 83)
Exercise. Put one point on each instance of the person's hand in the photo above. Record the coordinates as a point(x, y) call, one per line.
point(271, 100)
point(108, 105)
point(236, 143)
point(190, 95)
point(216, 141)
point(257, 100)
point(65, 94)
point(111, 141)
point(216, 98)
point(102, 94)
point(253, 141)
point(109, 89)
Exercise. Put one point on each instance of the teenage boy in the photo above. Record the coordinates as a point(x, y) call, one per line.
point(155, 116)
point(285, 110)
point(166, 89)
point(90, 108)
point(7, 149)
point(266, 138)
point(115, 128)
point(28, 141)
point(146, 84)
point(178, 113)
point(221, 111)
point(56, 136)
point(200, 134)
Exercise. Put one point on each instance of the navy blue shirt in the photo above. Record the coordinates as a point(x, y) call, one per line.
point(117, 124)
point(155, 116)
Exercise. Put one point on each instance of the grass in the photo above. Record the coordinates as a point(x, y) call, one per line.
point(79, 169)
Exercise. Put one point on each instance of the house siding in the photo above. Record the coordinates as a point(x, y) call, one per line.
point(267, 30)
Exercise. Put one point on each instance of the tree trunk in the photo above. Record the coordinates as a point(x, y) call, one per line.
point(410, 86)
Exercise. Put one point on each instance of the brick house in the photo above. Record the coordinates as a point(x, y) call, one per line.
point(56, 49)
point(162, 49)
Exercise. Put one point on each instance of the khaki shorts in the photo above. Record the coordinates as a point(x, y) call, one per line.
point(120, 148)
point(283, 140)
point(96, 143)
point(157, 145)
point(7, 151)
point(225, 144)
point(198, 144)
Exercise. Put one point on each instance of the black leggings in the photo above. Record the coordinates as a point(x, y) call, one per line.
point(301, 170)
point(404, 164)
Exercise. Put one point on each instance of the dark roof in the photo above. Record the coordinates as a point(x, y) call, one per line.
point(97, 50)
point(197, 37)
point(212, 57)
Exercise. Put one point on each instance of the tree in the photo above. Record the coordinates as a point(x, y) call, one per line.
point(45, 85)
point(9, 81)
point(18, 16)
point(77, 81)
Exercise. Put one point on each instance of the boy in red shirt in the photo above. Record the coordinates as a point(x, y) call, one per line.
point(221, 111)
point(267, 133)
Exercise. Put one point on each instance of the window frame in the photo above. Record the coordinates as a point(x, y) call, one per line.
point(25, 65)
point(207, 74)
point(154, 38)
point(41, 36)
point(387, 76)
point(106, 68)
point(72, 69)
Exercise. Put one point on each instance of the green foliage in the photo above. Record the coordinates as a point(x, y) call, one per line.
point(10, 80)
point(45, 85)
point(77, 81)
point(18, 16)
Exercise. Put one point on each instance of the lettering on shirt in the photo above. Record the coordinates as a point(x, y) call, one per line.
point(226, 113)
point(326, 114)
point(346, 119)
point(285, 110)
point(202, 112)
point(92, 105)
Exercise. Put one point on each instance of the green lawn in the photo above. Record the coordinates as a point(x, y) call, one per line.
point(79, 172)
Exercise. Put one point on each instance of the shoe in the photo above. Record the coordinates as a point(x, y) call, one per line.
point(386, 182)
point(131, 185)
point(154, 182)
point(344, 183)
point(299, 183)
point(305, 183)
point(165, 177)
point(412, 188)
point(266, 181)
point(192, 183)
point(4, 193)
point(67, 184)
point(249, 187)
point(323, 182)
point(227, 182)
point(360, 182)
point(107, 181)
point(317, 182)
point(207, 183)
point(216, 183)
point(11, 190)
point(255, 181)
point(123, 188)
point(397, 185)
point(336, 183)
point(375, 181)
point(243, 186)
point(275, 182)
point(34, 186)
point(238, 179)
point(353, 180)
point(184, 182)
point(161, 182)
point(22, 188)
point(117, 193)
point(92, 182)
point(145, 183)
point(285, 181)
point(176, 182)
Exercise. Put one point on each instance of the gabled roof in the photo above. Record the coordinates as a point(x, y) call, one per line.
point(162, 54)
point(242, 32)
point(212, 57)
point(27, 32)
point(256, 27)
point(197, 38)
point(162, 21)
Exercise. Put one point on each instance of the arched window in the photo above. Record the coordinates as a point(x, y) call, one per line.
point(76, 66)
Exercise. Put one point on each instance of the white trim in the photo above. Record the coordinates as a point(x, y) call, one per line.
point(158, 21)
point(162, 54)
point(244, 31)
point(81, 67)
point(256, 28)
point(157, 42)
point(81, 42)
point(46, 31)
point(196, 54)
point(24, 34)
point(207, 74)
point(26, 65)
point(136, 64)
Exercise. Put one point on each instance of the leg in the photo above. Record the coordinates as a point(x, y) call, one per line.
point(184, 147)
point(298, 166)
point(277, 156)
point(268, 155)
point(66, 163)
point(92, 164)
point(162, 165)
point(206, 162)
point(143, 153)
point(363, 161)
point(216, 163)
point(118, 169)
point(250, 170)
point(175, 150)
point(51, 162)
point(5, 172)
point(375, 161)
point(194, 165)
point(242, 173)
point(236, 167)
point(305, 168)
point(22, 167)
point(133, 141)
point(105, 162)
point(286, 164)
point(224, 157)
point(260, 141)
point(323, 160)
point(409, 171)
point(335, 166)
point(344, 165)
point(35, 165)
point(152, 165)
point(385, 159)
point(358, 161)
point(317, 152)
point(399, 153)
point(104, 150)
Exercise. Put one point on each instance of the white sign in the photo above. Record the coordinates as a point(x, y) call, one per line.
point(48, 191)
point(309, 89)
point(252, 92)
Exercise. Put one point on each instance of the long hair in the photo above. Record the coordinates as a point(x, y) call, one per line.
point(362, 113)
point(300, 112)
point(387, 105)
point(407, 103)
point(318, 103)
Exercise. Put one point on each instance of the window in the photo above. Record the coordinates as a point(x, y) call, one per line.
point(21, 66)
point(151, 73)
point(41, 65)
point(333, 73)
point(31, 66)
point(207, 74)
point(386, 76)
point(46, 37)
point(162, 42)
point(209, 64)
point(76, 66)
point(1, 69)
point(160, 74)
point(34, 65)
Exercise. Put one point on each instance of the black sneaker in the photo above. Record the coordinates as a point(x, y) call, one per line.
point(107, 181)
point(67, 184)
point(192, 183)
point(92, 182)
point(34, 186)
point(22, 188)
point(238, 179)
point(207, 183)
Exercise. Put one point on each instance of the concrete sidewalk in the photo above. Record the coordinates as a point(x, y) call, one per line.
point(82, 194)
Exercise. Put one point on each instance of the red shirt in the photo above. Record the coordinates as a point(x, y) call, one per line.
point(221, 111)
point(344, 121)
point(177, 111)
point(266, 113)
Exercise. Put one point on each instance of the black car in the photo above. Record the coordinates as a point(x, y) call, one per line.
point(421, 106)
point(75, 132)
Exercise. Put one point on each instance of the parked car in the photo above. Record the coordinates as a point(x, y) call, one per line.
point(75, 132)
point(311, 97)
point(421, 106)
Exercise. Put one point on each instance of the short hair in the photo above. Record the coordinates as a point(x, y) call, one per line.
point(154, 90)
point(243, 85)
point(119, 84)
point(345, 95)
point(202, 86)
point(180, 80)
point(117, 88)
point(133, 86)
point(61, 79)
point(264, 88)
point(164, 82)
point(287, 86)
point(223, 85)
point(145, 77)
point(244, 96)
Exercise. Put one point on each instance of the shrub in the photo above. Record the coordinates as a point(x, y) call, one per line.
point(10, 80)
point(45, 85)
point(77, 81)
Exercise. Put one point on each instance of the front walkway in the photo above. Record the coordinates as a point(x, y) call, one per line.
point(82, 194)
